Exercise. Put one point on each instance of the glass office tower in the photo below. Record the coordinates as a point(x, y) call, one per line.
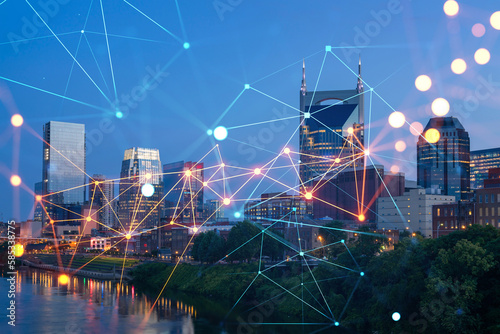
point(480, 162)
point(140, 166)
point(445, 164)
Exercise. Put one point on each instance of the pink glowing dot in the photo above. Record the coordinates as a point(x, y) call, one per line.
point(478, 30)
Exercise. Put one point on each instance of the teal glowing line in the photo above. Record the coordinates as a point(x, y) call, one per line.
point(383, 100)
point(263, 122)
point(316, 299)
point(333, 264)
point(150, 19)
point(228, 108)
point(370, 119)
point(350, 297)
point(320, 291)
point(54, 94)
point(127, 37)
point(261, 247)
point(40, 37)
point(335, 132)
point(356, 262)
point(65, 48)
point(180, 20)
point(275, 99)
point(96, 62)
point(109, 52)
point(340, 102)
point(315, 249)
point(244, 292)
point(317, 81)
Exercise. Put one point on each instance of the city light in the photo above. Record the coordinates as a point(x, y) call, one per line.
point(423, 83)
point(396, 316)
point(18, 250)
point(308, 195)
point(361, 217)
point(432, 136)
point(397, 119)
point(350, 130)
point(256, 171)
point(147, 190)
point(63, 279)
point(16, 120)
point(286, 150)
point(128, 236)
point(394, 169)
point(226, 201)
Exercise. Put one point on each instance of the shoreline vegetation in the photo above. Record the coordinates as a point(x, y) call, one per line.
point(445, 285)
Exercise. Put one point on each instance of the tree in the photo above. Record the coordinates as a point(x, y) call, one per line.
point(208, 247)
point(243, 242)
point(331, 235)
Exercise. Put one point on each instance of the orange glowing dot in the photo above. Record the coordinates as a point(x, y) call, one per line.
point(495, 20)
point(308, 195)
point(63, 279)
point(482, 56)
point(256, 171)
point(51, 221)
point(432, 136)
point(416, 128)
point(195, 229)
point(361, 217)
point(400, 146)
point(350, 130)
point(337, 160)
point(148, 175)
point(451, 8)
point(88, 218)
point(226, 201)
point(423, 83)
point(18, 250)
point(38, 198)
point(367, 152)
point(15, 180)
point(128, 236)
point(397, 119)
point(458, 66)
point(440, 106)
point(16, 120)
point(205, 184)
point(286, 150)
point(172, 222)
point(478, 30)
point(394, 169)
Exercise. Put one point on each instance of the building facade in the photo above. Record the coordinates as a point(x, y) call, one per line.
point(488, 200)
point(480, 162)
point(445, 164)
point(102, 197)
point(278, 206)
point(448, 218)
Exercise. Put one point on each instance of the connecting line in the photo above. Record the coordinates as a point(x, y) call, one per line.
point(228, 108)
point(350, 297)
point(357, 75)
point(248, 144)
point(390, 195)
point(339, 102)
point(40, 37)
point(150, 19)
point(127, 37)
point(356, 262)
point(333, 264)
point(335, 132)
point(315, 299)
point(320, 291)
point(275, 99)
point(263, 122)
point(109, 52)
point(180, 20)
point(65, 48)
point(317, 81)
point(244, 292)
point(96, 62)
point(370, 118)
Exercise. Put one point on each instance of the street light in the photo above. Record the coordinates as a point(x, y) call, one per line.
point(437, 236)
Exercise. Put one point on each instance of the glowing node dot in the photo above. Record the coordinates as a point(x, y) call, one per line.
point(451, 8)
point(38, 198)
point(400, 146)
point(337, 323)
point(394, 169)
point(294, 209)
point(396, 316)
point(301, 253)
point(188, 173)
point(440, 106)
point(478, 30)
point(247, 86)
point(186, 45)
point(128, 236)
point(350, 130)
point(423, 83)
point(96, 183)
point(220, 133)
point(119, 114)
point(342, 241)
point(361, 217)
point(88, 219)
point(82, 31)
point(397, 119)
point(458, 66)
point(361, 274)
point(63, 279)
point(15, 180)
point(482, 56)
point(337, 160)
point(223, 165)
point(367, 152)
point(195, 229)
point(210, 132)
point(286, 150)
point(51, 222)
point(237, 215)
point(256, 171)
point(308, 195)
point(18, 250)
point(16, 120)
point(416, 128)
point(205, 184)
point(172, 222)
point(147, 190)
point(432, 136)
point(307, 115)
point(495, 20)
point(148, 175)
point(226, 201)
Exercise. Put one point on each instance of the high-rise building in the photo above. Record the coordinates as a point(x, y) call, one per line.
point(140, 173)
point(102, 197)
point(445, 164)
point(488, 200)
point(331, 128)
point(63, 167)
point(214, 209)
point(183, 191)
point(480, 162)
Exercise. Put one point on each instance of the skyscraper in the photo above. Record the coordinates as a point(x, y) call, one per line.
point(102, 198)
point(445, 164)
point(480, 162)
point(137, 207)
point(183, 191)
point(63, 166)
point(331, 127)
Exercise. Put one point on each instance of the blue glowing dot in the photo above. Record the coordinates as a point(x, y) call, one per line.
point(119, 114)
point(328, 48)
point(337, 323)
point(237, 215)
point(294, 209)
point(362, 274)
point(210, 132)
point(460, 311)
point(342, 241)
point(301, 253)
point(247, 86)
point(186, 45)
point(147, 190)
point(307, 115)
point(396, 316)
point(220, 133)
point(260, 272)
point(82, 31)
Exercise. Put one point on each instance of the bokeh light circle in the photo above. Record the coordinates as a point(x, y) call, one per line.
point(147, 190)
point(63, 279)
point(400, 146)
point(220, 133)
point(16, 120)
point(397, 119)
point(478, 30)
point(15, 180)
point(237, 215)
point(458, 66)
point(432, 136)
point(451, 8)
point(396, 316)
point(482, 56)
point(495, 20)
point(440, 106)
point(394, 169)
point(18, 250)
point(423, 83)
point(416, 128)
